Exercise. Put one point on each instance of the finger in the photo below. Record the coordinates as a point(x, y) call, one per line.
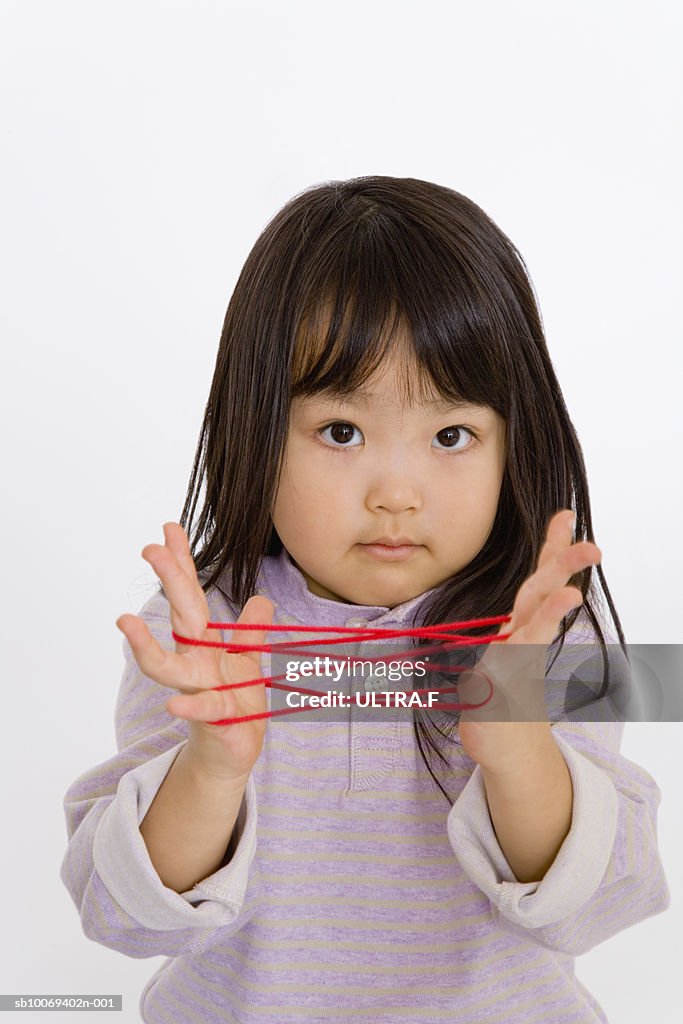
point(177, 542)
point(258, 609)
point(554, 575)
point(187, 600)
point(162, 666)
point(545, 623)
point(559, 536)
point(207, 706)
point(558, 572)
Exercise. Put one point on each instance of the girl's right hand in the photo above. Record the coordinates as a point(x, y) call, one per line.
point(228, 752)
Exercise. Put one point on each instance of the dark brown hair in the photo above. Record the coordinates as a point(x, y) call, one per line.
point(317, 304)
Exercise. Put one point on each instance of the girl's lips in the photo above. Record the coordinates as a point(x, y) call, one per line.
point(390, 554)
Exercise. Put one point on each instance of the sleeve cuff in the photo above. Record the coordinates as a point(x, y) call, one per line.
point(123, 863)
point(581, 861)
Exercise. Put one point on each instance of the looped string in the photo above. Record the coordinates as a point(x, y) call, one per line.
point(441, 632)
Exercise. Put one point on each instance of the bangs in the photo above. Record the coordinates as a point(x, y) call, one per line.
point(337, 354)
point(444, 339)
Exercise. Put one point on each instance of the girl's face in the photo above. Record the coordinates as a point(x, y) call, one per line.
point(372, 468)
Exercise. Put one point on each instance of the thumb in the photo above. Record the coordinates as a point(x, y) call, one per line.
point(258, 609)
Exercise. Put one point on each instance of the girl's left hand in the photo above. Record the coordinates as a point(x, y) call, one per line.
point(509, 727)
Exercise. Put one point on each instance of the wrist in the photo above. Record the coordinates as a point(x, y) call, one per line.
point(533, 747)
point(205, 771)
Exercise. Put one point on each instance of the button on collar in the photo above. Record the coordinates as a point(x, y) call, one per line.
point(374, 684)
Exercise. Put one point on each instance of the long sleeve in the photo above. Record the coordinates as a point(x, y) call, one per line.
point(607, 875)
point(122, 902)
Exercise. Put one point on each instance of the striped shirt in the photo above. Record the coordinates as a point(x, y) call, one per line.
point(357, 891)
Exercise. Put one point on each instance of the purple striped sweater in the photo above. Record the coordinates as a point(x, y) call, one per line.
point(357, 892)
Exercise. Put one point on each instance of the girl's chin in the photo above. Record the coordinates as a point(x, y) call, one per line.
point(393, 584)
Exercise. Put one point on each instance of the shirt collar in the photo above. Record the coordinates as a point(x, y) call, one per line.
point(287, 585)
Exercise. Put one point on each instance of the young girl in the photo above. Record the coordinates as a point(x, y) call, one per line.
point(385, 444)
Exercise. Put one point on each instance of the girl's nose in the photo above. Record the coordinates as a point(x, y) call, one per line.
point(394, 492)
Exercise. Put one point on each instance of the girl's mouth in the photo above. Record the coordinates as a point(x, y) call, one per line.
point(390, 553)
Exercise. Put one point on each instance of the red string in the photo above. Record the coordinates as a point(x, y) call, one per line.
point(437, 632)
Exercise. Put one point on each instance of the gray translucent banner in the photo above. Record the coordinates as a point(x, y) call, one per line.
point(371, 681)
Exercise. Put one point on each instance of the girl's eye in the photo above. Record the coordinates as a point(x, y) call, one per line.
point(450, 435)
point(342, 432)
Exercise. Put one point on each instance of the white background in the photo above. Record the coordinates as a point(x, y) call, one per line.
point(143, 147)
